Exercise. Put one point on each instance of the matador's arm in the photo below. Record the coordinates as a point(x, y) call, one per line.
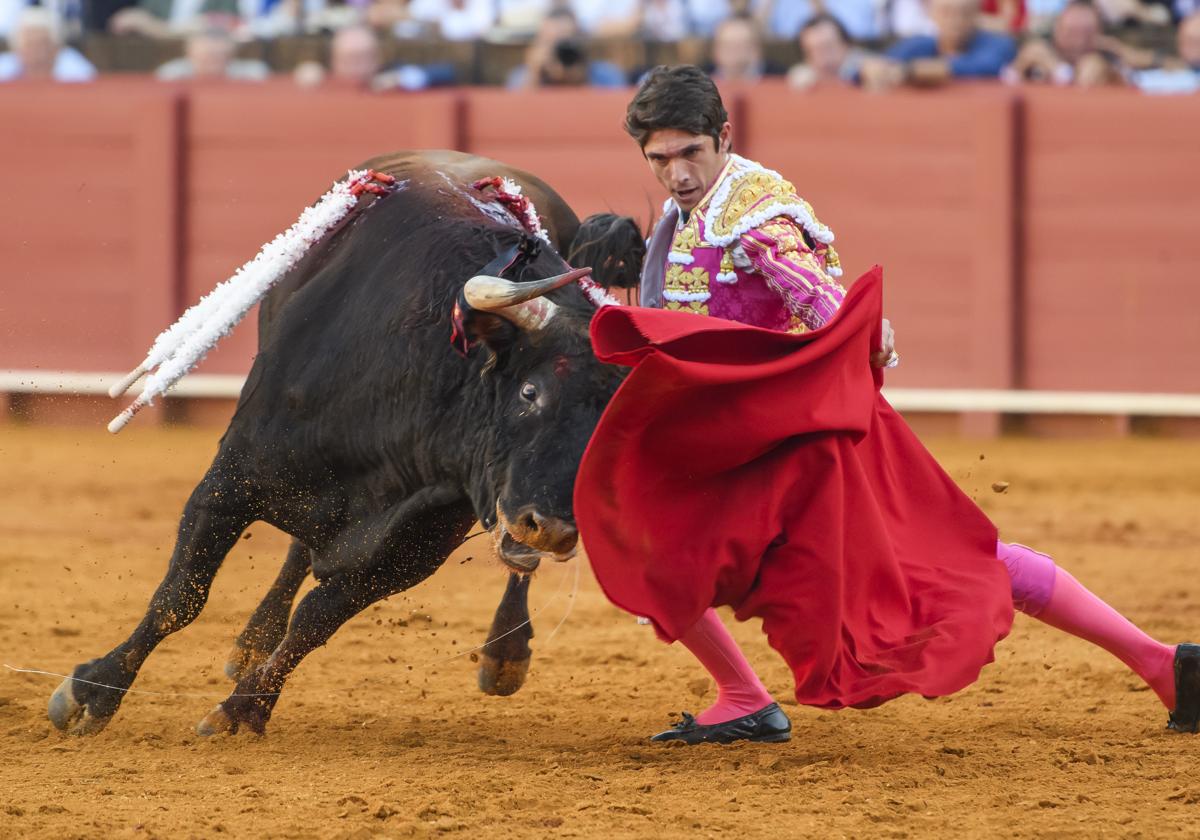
point(778, 251)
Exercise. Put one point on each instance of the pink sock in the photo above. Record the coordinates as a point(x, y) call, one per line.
point(739, 690)
point(1052, 595)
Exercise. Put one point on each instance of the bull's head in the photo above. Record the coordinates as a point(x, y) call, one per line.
point(549, 392)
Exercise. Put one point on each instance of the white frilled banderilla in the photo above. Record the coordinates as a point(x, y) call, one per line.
point(185, 343)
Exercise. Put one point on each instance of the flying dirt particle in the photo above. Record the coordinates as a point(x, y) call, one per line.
point(474, 657)
point(66, 631)
point(980, 456)
point(247, 535)
point(1000, 486)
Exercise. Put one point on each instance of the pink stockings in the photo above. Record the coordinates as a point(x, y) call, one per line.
point(1039, 588)
point(739, 690)
point(1049, 594)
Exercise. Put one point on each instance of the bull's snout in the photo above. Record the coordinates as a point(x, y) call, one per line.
point(545, 533)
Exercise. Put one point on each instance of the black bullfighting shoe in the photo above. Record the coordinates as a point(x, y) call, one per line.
point(1186, 717)
point(769, 724)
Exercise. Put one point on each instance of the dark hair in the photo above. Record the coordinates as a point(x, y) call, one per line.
point(683, 98)
point(824, 17)
point(613, 246)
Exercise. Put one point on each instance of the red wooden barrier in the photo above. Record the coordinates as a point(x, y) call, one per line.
point(127, 199)
point(88, 225)
point(923, 185)
point(1111, 258)
point(573, 140)
point(257, 155)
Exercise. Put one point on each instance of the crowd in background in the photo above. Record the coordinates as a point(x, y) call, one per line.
point(875, 44)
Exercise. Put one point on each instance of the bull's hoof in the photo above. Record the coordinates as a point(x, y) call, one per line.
point(216, 722)
point(243, 661)
point(69, 715)
point(501, 677)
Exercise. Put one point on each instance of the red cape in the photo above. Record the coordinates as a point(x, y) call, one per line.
point(763, 470)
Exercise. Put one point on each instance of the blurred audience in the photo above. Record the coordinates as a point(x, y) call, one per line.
point(210, 56)
point(557, 56)
point(960, 50)
point(737, 51)
point(38, 54)
point(829, 59)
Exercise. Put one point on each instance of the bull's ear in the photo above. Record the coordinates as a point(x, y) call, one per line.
point(498, 333)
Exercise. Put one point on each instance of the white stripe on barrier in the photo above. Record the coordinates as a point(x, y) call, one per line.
point(904, 399)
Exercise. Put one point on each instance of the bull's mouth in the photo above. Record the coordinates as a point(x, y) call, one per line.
point(520, 557)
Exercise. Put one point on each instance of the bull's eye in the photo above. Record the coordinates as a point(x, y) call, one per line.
point(529, 392)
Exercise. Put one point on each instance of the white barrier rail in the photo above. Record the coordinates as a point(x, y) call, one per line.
point(904, 399)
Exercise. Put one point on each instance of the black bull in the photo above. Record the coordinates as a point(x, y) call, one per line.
point(365, 436)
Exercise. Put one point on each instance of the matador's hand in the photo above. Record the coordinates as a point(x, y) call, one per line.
point(886, 355)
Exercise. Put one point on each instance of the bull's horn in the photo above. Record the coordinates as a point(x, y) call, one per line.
point(492, 293)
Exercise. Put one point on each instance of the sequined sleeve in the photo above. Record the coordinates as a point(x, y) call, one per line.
point(779, 253)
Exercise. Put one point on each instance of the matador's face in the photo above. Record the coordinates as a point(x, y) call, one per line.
point(687, 165)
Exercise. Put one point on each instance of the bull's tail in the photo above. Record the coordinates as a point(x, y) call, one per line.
point(184, 344)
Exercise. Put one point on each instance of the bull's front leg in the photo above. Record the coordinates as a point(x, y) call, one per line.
point(416, 547)
point(216, 514)
point(504, 658)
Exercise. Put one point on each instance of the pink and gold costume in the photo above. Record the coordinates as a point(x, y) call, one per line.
point(751, 251)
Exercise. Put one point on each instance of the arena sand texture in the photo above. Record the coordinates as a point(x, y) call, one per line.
point(370, 740)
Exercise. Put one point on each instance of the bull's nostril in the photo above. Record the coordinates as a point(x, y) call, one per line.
point(530, 522)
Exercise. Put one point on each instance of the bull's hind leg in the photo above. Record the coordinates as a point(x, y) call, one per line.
point(215, 515)
point(268, 625)
point(411, 553)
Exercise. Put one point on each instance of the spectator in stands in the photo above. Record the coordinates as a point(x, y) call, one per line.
point(172, 18)
point(961, 50)
point(355, 62)
point(209, 56)
point(38, 53)
point(1077, 33)
point(737, 51)
point(557, 57)
point(828, 57)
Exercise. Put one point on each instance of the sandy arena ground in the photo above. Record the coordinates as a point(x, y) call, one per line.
point(380, 735)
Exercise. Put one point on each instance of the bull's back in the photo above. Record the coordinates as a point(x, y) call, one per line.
point(560, 220)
